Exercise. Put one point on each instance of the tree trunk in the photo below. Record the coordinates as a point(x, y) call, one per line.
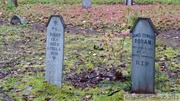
point(15, 2)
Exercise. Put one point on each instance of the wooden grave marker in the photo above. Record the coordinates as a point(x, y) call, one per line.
point(55, 50)
point(86, 4)
point(143, 56)
point(128, 2)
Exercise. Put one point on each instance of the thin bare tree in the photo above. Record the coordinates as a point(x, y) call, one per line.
point(128, 2)
point(15, 2)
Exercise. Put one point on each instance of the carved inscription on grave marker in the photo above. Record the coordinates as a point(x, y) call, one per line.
point(143, 48)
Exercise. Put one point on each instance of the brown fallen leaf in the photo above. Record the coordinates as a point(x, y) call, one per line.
point(18, 90)
point(49, 99)
point(168, 88)
point(33, 95)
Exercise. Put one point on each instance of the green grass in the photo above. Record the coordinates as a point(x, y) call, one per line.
point(159, 1)
point(41, 90)
point(98, 1)
point(72, 1)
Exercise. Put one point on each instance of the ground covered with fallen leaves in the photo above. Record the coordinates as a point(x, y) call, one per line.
point(92, 71)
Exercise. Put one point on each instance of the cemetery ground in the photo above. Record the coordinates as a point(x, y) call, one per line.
point(97, 60)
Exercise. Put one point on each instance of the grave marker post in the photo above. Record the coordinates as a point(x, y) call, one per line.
point(86, 4)
point(128, 2)
point(143, 56)
point(55, 50)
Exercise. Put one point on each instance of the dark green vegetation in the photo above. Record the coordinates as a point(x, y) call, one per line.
point(94, 45)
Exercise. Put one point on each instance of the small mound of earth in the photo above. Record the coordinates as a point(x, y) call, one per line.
point(92, 77)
